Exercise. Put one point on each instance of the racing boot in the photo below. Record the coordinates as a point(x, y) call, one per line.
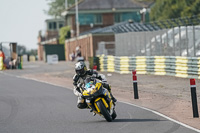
point(94, 114)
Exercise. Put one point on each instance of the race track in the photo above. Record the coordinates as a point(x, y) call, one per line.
point(28, 106)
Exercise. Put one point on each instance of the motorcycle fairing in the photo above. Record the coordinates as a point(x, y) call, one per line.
point(104, 102)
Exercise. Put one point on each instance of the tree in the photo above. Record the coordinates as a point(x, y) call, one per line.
point(56, 7)
point(168, 9)
point(64, 34)
point(193, 9)
point(32, 52)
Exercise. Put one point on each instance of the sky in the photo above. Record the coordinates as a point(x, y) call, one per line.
point(21, 20)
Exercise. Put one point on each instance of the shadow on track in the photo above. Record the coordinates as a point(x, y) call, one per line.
point(136, 120)
point(125, 120)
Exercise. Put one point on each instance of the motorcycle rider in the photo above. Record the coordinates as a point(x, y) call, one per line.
point(81, 74)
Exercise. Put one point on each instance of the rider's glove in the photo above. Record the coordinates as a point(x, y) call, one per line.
point(82, 96)
point(94, 75)
point(75, 84)
point(99, 77)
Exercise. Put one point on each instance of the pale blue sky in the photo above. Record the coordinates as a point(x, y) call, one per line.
point(20, 21)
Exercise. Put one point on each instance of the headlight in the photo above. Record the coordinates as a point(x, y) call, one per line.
point(92, 90)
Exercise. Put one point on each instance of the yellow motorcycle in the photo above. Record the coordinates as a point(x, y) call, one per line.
point(98, 99)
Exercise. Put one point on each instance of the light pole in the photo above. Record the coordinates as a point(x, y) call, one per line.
point(66, 4)
point(143, 12)
point(77, 22)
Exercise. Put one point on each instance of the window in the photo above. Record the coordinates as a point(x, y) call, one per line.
point(130, 15)
point(50, 26)
point(125, 16)
point(117, 17)
point(87, 19)
point(98, 19)
point(54, 26)
point(60, 26)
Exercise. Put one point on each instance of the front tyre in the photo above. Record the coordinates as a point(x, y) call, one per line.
point(114, 115)
point(104, 111)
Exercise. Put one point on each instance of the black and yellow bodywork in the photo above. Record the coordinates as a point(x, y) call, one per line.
point(99, 94)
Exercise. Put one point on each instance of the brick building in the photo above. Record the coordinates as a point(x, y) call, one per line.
point(51, 35)
point(101, 13)
point(88, 44)
point(94, 15)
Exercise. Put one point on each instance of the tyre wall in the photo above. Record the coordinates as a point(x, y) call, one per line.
point(185, 67)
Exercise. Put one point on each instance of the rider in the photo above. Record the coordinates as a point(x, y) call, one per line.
point(81, 74)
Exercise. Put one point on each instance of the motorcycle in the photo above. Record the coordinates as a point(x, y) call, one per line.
point(98, 99)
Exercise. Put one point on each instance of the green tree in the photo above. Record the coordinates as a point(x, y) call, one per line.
point(56, 7)
point(167, 9)
point(192, 8)
point(64, 34)
point(32, 52)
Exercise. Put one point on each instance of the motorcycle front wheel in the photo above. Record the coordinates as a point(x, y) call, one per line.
point(114, 115)
point(104, 111)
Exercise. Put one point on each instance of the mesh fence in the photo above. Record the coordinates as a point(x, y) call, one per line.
point(177, 41)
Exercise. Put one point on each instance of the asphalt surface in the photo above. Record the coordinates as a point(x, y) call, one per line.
point(28, 106)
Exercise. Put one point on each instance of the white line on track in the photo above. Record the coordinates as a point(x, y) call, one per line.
point(162, 115)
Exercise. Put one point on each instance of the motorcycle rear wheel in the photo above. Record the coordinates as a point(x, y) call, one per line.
point(104, 111)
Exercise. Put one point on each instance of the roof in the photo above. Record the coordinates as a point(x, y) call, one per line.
point(134, 27)
point(112, 4)
point(108, 29)
point(55, 19)
point(123, 28)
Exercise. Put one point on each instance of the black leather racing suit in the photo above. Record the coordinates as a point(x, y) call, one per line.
point(80, 79)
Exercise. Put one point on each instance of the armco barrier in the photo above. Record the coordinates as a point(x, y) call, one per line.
point(186, 67)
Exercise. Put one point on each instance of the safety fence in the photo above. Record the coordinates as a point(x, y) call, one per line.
point(185, 67)
point(176, 41)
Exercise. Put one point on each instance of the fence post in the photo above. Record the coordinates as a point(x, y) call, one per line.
point(167, 44)
point(95, 68)
point(194, 40)
point(145, 43)
point(187, 40)
point(194, 98)
point(135, 88)
point(174, 49)
point(180, 47)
